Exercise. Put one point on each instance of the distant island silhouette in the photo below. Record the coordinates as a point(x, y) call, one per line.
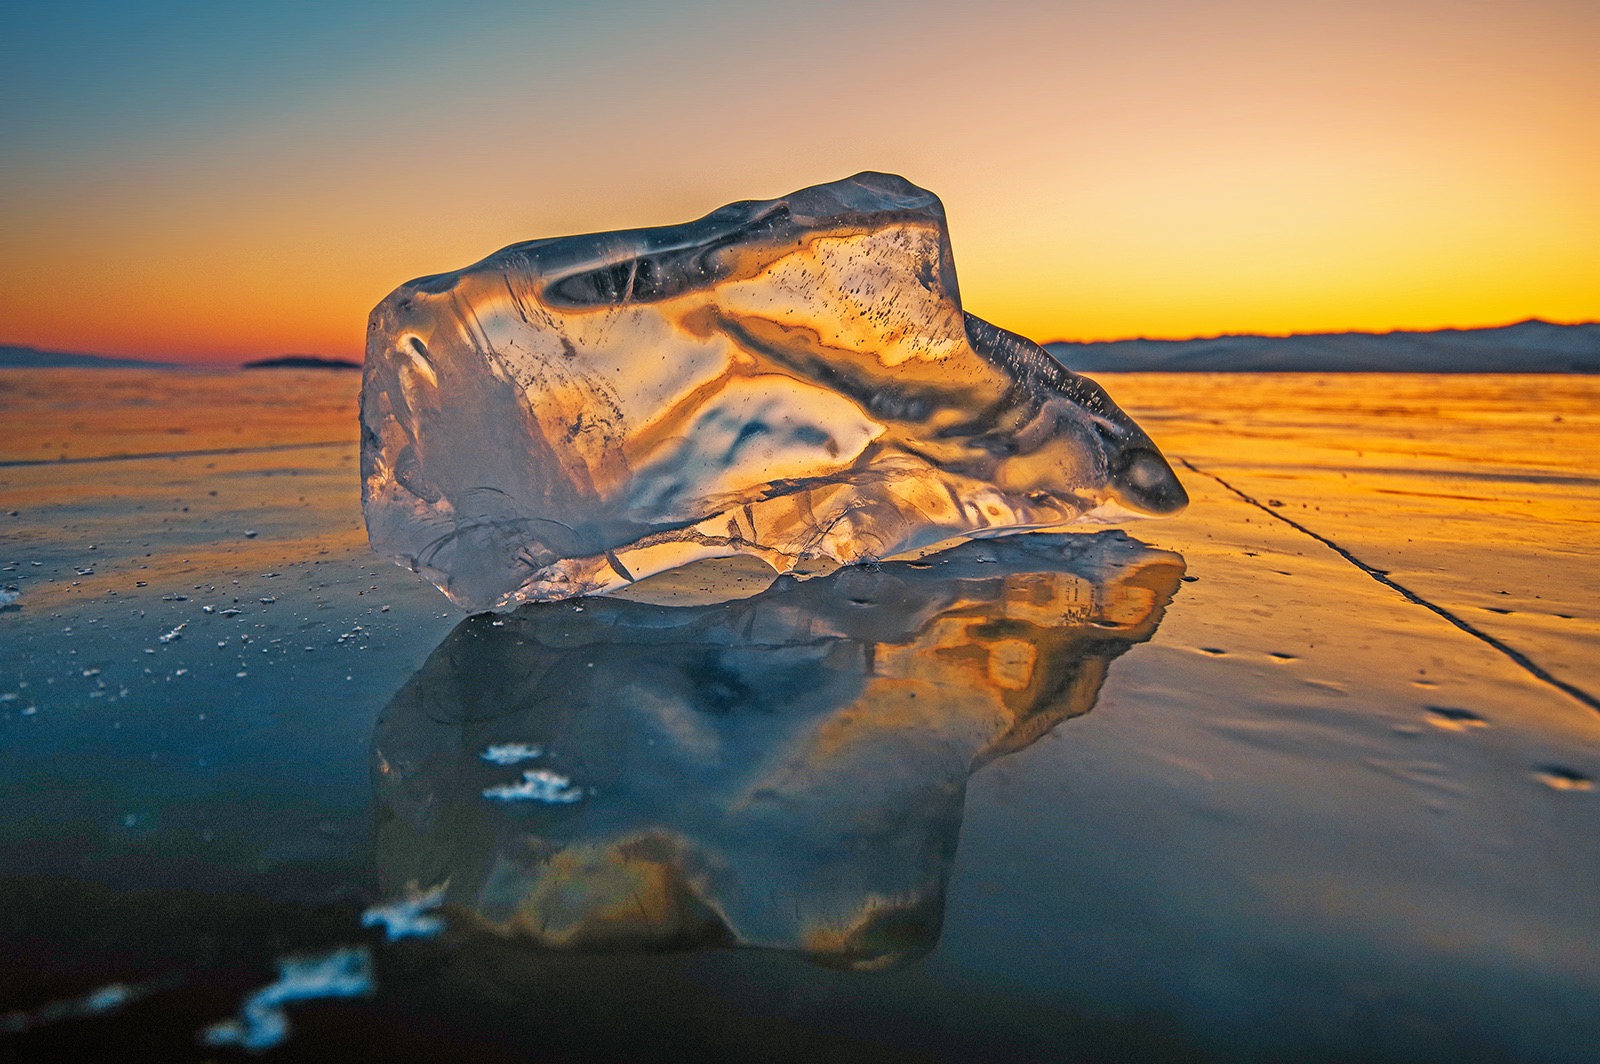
point(301, 362)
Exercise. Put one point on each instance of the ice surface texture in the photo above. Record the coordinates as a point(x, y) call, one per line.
point(791, 379)
point(787, 771)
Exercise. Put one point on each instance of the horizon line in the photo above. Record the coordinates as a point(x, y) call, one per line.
point(236, 362)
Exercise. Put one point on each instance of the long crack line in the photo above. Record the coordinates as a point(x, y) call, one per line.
point(1526, 663)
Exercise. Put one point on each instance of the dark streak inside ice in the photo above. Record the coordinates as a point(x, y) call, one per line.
point(1527, 663)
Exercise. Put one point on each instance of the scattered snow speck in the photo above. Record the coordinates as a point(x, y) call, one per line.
point(511, 753)
point(408, 918)
point(108, 998)
point(262, 1023)
point(537, 785)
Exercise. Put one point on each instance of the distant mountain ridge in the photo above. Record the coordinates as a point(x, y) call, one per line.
point(1531, 346)
point(16, 357)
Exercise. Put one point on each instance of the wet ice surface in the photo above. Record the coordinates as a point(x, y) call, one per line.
point(791, 380)
point(1308, 818)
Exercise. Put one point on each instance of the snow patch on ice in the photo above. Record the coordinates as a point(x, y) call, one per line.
point(409, 917)
point(538, 785)
point(108, 998)
point(511, 753)
point(262, 1023)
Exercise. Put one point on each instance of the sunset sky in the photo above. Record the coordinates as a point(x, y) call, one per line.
point(210, 182)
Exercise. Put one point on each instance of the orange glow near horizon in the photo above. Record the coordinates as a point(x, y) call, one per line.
point(1109, 170)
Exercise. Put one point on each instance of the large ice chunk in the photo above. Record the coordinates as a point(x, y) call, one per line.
point(791, 379)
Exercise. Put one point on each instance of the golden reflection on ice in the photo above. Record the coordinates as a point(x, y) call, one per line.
point(785, 771)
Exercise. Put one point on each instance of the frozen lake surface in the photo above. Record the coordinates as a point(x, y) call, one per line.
point(1310, 772)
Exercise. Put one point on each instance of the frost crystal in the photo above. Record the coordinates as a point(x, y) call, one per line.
point(792, 379)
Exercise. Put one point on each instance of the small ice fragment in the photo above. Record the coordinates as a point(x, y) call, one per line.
point(269, 599)
point(1452, 718)
point(251, 534)
point(511, 753)
point(262, 1023)
point(230, 612)
point(408, 918)
point(9, 596)
point(176, 633)
point(208, 609)
point(85, 570)
point(1559, 778)
point(538, 785)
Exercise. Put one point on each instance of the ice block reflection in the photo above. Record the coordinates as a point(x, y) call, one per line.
point(785, 771)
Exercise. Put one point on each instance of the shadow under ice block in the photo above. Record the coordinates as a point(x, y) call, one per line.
point(792, 379)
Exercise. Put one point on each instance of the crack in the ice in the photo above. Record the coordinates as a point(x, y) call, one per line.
point(15, 462)
point(1526, 663)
